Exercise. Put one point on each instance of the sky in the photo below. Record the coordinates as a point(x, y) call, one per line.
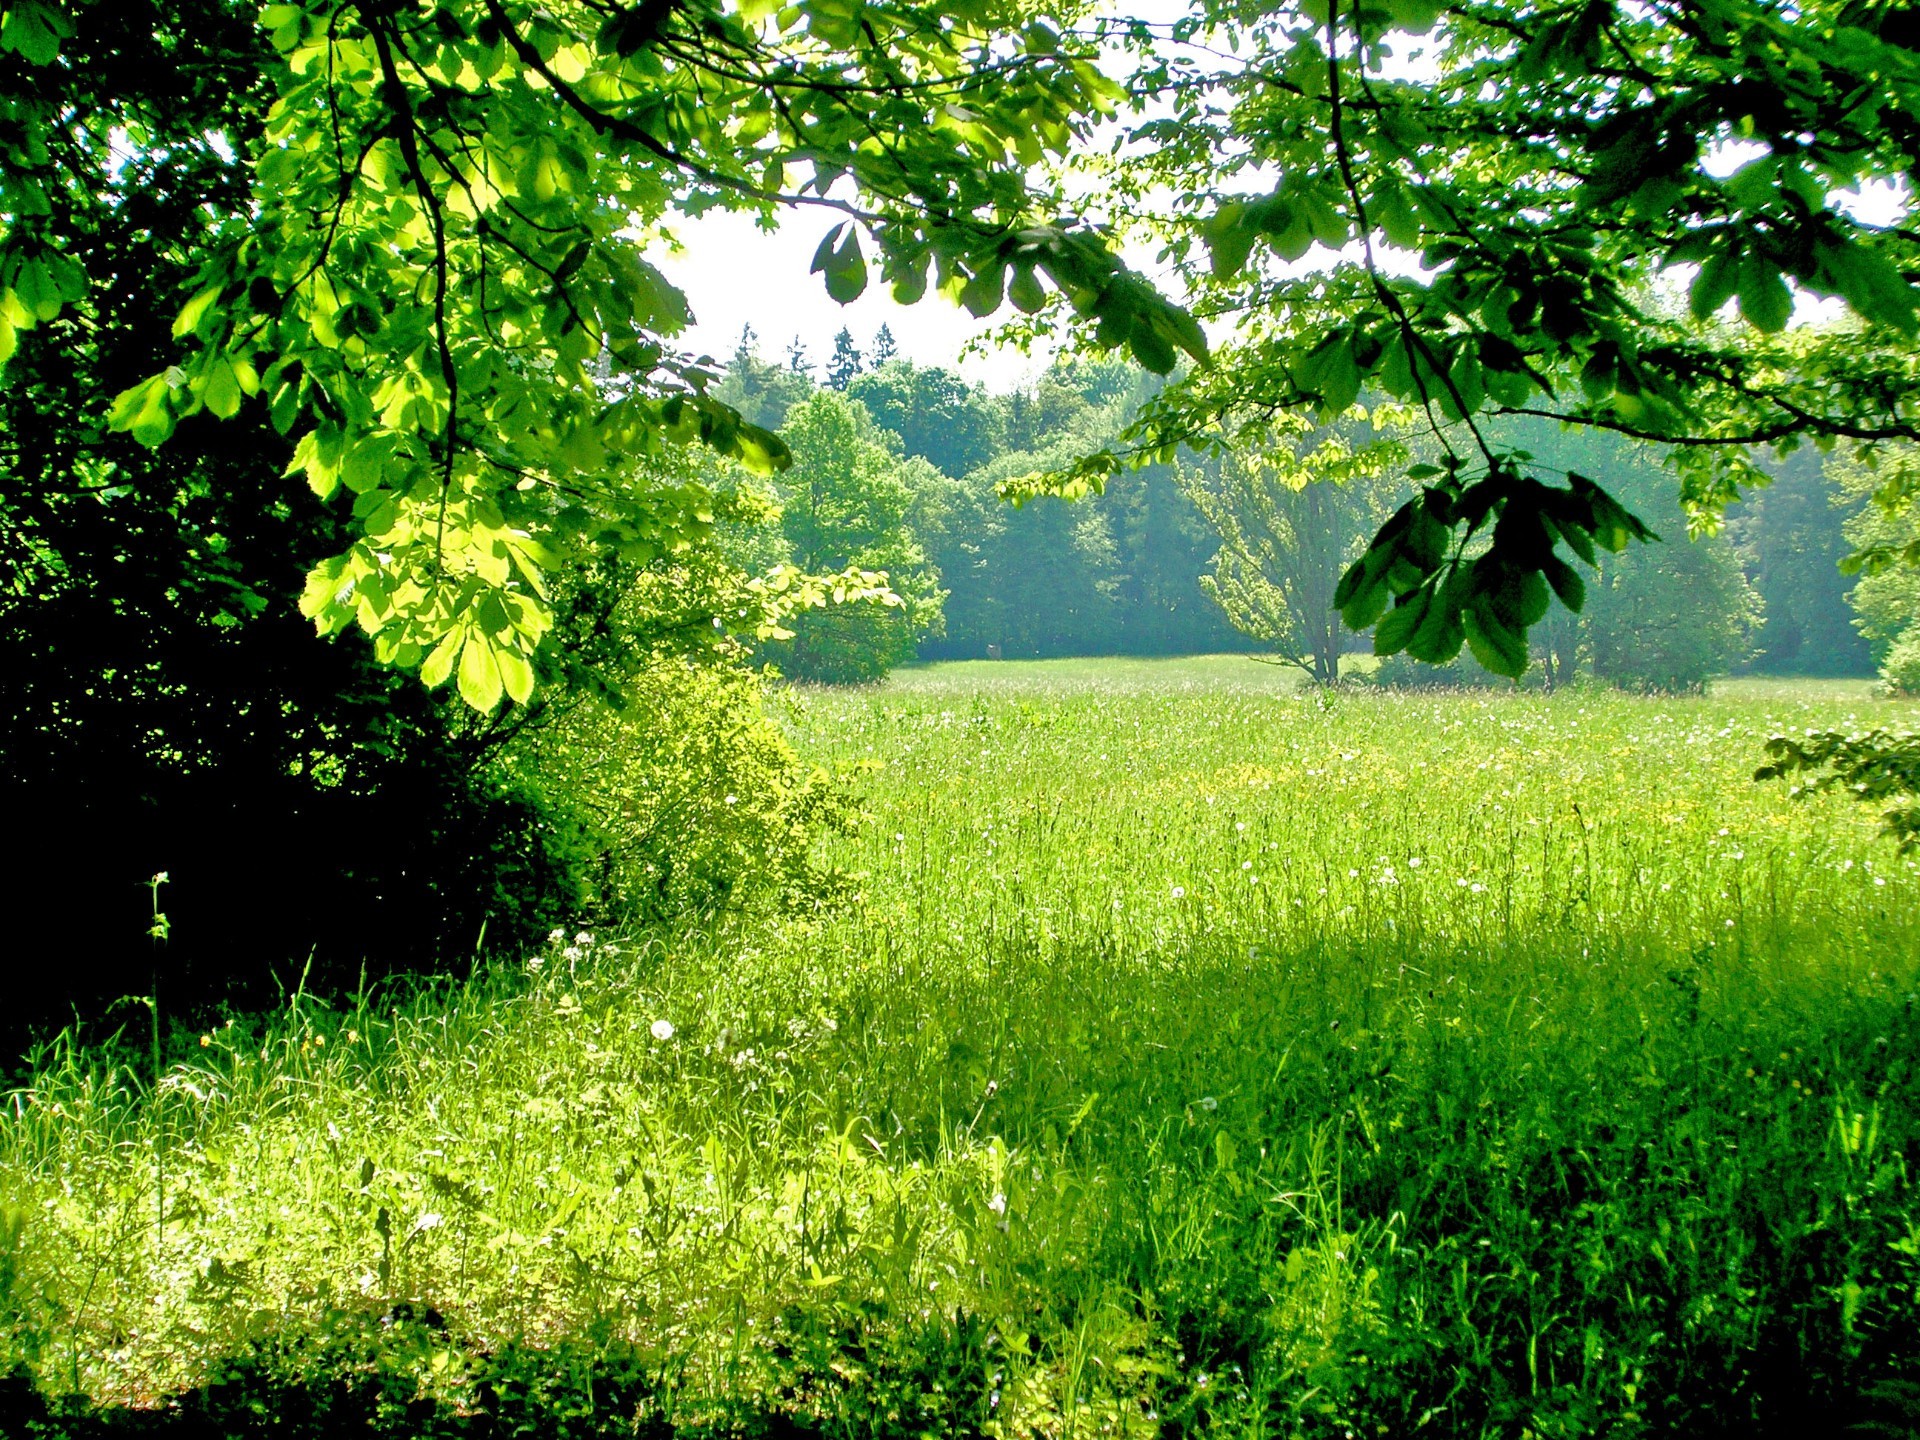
point(735, 274)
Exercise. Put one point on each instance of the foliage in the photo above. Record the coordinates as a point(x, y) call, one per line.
point(937, 415)
point(845, 507)
point(1874, 768)
point(1884, 529)
point(1594, 1121)
point(681, 798)
point(1292, 510)
point(162, 705)
point(437, 279)
point(1791, 542)
point(1038, 581)
point(1494, 223)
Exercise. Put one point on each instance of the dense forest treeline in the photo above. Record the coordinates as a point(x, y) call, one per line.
point(1130, 570)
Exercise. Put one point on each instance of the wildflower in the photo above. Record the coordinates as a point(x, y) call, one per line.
point(661, 1029)
point(205, 1041)
point(1179, 892)
point(556, 937)
point(998, 1204)
point(353, 1037)
point(583, 938)
point(1207, 1103)
point(1413, 862)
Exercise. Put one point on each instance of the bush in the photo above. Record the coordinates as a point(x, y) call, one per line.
point(1463, 672)
point(680, 796)
point(1900, 671)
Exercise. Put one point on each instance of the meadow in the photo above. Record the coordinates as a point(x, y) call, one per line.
point(1195, 1053)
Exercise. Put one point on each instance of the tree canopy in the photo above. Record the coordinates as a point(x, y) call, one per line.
point(1533, 209)
point(436, 284)
point(437, 287)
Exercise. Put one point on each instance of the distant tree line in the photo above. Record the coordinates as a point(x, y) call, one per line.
point(1242, 550)
point(1117, 573)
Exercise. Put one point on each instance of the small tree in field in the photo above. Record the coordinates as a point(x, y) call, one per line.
point(1291, 515)
point(846, 503)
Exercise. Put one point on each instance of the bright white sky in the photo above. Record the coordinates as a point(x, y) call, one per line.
point(735, 274)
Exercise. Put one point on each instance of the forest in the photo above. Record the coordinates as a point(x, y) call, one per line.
point(1339, 859)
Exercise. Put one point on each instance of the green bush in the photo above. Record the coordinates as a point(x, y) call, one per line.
point(681, 796)
point(1463, 672)
point(1901, 668)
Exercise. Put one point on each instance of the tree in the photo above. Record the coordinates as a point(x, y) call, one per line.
point(1544, 164)
point(884, 346)
point(797, 361)
point(936, 414)
point(845, 508)
point(436, 286)
point(1791, 540)
point(845, 365)
point(163, 706)
point(1291, 514)
point(1039, 581)
point(1884, 529)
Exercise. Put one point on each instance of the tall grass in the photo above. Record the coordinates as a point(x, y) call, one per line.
point(1200, 1054)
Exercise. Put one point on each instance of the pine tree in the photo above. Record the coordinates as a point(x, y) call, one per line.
point(743, 353)
point(884, 347)
point(845, 365)
point(797, 358)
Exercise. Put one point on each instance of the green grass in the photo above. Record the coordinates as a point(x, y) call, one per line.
point(1202, 1054)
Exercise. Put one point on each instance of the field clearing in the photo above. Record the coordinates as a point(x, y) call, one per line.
point(1200, 1053)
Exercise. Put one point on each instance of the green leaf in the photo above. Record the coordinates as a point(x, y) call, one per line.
point(1567, 583)
point(439, 665)
point(1150, 347)
point(145, 411)
point(1229, 236)
point(34, 31)
point(196, 310)
point(982, 294)
point(220, 391)
point(480, 684)
point(1872, 285)
point(1391, 635)
point(1025, 292)
point(1765, 300)
point(839, 259)
point(1497, 646)
point(516, 674)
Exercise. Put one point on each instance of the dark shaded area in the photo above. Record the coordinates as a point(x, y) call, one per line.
point(163, 705)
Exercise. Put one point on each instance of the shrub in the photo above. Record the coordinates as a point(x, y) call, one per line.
point(681, 795)
point(1901, 669)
